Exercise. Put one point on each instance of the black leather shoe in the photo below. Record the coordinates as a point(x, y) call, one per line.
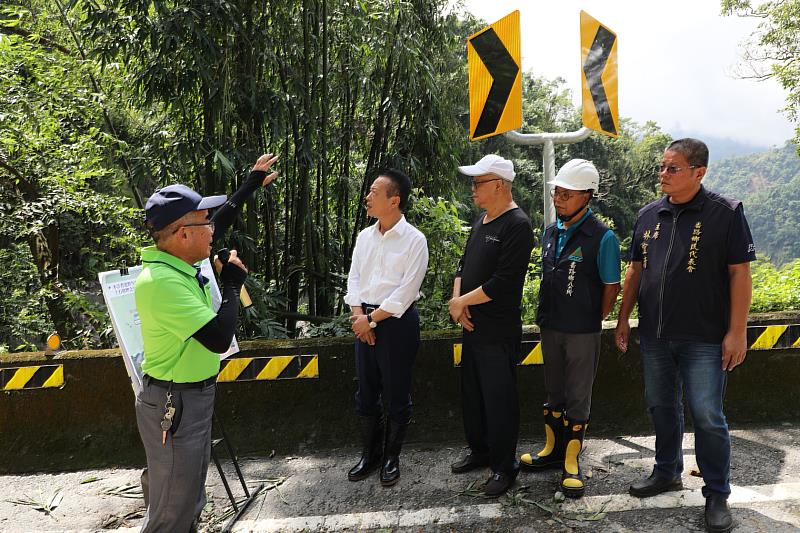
point(471, 461)
point(498, 483)
point(655, 484)
point(718, 515)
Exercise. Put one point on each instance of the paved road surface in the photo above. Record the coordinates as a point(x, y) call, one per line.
point(313, 494)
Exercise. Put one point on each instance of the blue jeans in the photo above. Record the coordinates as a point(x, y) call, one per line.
point(670, 368)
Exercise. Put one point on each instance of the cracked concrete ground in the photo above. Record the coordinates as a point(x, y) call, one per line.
point(311, 492)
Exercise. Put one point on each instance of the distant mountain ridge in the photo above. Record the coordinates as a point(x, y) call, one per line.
point(768, 184)
point(720, 148)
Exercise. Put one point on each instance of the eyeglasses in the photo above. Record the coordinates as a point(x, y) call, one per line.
point(476, 184)
point(669, 169)
point(564, 195)
point(210, 224)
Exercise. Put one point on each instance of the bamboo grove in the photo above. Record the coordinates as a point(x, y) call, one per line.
point(192, 91)
point(338, 88)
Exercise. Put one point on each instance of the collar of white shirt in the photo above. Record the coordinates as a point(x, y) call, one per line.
point(399, 228)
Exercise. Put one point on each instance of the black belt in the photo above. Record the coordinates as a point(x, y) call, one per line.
point(369, 308)
point(180, 386)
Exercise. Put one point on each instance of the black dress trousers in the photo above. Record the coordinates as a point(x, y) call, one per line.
point(489, 400)
point(384, 370)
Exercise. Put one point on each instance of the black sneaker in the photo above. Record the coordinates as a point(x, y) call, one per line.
point(469, 462)
point(655, 484)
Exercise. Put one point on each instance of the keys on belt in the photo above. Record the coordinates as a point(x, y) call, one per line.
point(166, 421)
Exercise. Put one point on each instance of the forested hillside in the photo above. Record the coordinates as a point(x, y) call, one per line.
point(101, 103)
point(768, 183)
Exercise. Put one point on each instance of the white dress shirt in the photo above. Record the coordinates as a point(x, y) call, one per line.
point(387, 270)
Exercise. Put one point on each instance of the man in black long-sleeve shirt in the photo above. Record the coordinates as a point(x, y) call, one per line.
point(487, 293)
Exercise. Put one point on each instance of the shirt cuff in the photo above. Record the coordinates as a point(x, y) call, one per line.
point(352, 300)
point(395, 308)
point(489, 288)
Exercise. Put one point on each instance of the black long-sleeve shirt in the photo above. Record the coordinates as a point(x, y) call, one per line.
point(496, 258)
point(217, 334)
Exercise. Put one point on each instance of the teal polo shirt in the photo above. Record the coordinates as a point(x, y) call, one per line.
point(172, 307)
point(608, 258)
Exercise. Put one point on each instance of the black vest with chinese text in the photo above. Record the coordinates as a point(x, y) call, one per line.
point(571, 291)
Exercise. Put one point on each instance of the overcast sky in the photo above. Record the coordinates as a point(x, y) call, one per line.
point(676, 63)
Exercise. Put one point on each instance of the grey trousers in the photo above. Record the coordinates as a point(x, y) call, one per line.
point(174, 480)
point(570, 365)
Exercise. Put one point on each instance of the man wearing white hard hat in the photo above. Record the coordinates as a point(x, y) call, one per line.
point(487, 293)
point(580, 283)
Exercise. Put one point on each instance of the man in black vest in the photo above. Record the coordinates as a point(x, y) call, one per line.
point(689, 271)
point(580, 283)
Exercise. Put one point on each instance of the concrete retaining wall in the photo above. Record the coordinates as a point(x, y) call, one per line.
point(91, 421)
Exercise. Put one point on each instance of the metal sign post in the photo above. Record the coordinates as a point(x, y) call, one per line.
point(549, 140)
point(494, 74)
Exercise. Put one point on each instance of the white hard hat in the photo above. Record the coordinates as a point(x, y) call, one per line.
point(577, 175)
point(491, 164)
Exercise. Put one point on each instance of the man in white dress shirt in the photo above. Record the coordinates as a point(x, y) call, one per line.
point(389, 262)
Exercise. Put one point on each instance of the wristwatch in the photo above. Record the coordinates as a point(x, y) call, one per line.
point(372, 323)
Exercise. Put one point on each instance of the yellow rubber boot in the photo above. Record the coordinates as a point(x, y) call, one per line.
point(571, 477)
point(552, 455)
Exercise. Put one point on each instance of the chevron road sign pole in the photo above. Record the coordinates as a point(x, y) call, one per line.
point(599, 76)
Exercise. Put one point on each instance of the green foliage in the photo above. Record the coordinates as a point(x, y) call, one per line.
point(24, 320)
point(768, 184)
point(530, 290)
point(338, 88)
point(338, 327)
point(64, 215)
point(775, 289)
point(259, 320)
point(446, 234)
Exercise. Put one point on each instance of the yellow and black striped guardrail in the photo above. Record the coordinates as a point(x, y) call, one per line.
point(269, 368)
point(532, 349)
point(776, 337)
point(773, 337)
point(32, 377)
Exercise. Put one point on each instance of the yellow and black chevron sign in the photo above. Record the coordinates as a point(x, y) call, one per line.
point(32, 377)
point(269, 368)
point(773, 337)
point(532, 349)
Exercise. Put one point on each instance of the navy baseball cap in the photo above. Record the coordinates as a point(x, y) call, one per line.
point(170, 203)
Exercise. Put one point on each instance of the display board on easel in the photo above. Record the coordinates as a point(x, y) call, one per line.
point(117, 288)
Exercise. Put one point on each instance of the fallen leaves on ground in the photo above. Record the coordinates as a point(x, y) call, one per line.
point(128, 490)
point(46, 506)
